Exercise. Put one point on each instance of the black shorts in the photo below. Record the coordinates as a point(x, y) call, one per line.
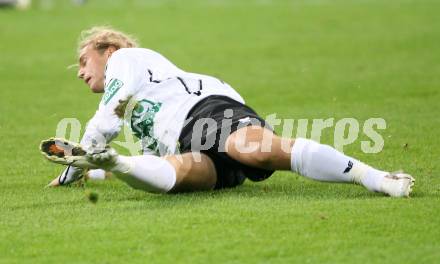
point(210, 136)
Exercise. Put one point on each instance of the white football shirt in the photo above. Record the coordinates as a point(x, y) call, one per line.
point(162, 94)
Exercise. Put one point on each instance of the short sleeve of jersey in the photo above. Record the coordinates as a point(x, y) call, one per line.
point(122, 79)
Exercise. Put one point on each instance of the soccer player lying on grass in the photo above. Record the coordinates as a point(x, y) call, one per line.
point(197, 133)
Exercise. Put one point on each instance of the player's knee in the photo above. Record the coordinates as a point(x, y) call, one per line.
point(194, 174)
point(183, 171)
point(181, 168)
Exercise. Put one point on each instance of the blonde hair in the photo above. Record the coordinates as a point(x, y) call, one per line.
point(103, 37)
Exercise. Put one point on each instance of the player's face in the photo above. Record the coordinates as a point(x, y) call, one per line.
point(91, 67)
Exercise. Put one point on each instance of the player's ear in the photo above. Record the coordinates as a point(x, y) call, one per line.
point(110, 50)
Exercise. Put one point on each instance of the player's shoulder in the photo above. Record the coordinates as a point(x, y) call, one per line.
point(132, 53)
point(132, 58)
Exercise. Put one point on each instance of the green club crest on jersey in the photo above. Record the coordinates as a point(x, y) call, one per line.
point(112, 88)
point(142, 122)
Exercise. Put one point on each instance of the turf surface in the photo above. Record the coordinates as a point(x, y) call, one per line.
point(299, 59)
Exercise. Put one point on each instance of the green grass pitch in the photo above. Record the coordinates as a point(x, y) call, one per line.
point(299, 59)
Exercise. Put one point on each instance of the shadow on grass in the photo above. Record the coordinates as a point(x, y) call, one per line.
point(307, 190)
point(296, 189)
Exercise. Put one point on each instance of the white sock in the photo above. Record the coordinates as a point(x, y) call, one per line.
point(97, 174)
point(324, 163)
point(146, 172)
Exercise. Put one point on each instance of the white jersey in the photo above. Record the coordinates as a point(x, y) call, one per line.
point(164, 95)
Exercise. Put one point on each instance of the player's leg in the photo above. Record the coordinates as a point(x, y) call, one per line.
point(192, 173)
point(174, 173)
point(259, 147)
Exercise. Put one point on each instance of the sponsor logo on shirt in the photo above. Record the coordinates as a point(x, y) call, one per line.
point(112, 88)
point(142, 123)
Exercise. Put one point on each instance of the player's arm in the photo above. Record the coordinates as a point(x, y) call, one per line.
point(123, 79)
